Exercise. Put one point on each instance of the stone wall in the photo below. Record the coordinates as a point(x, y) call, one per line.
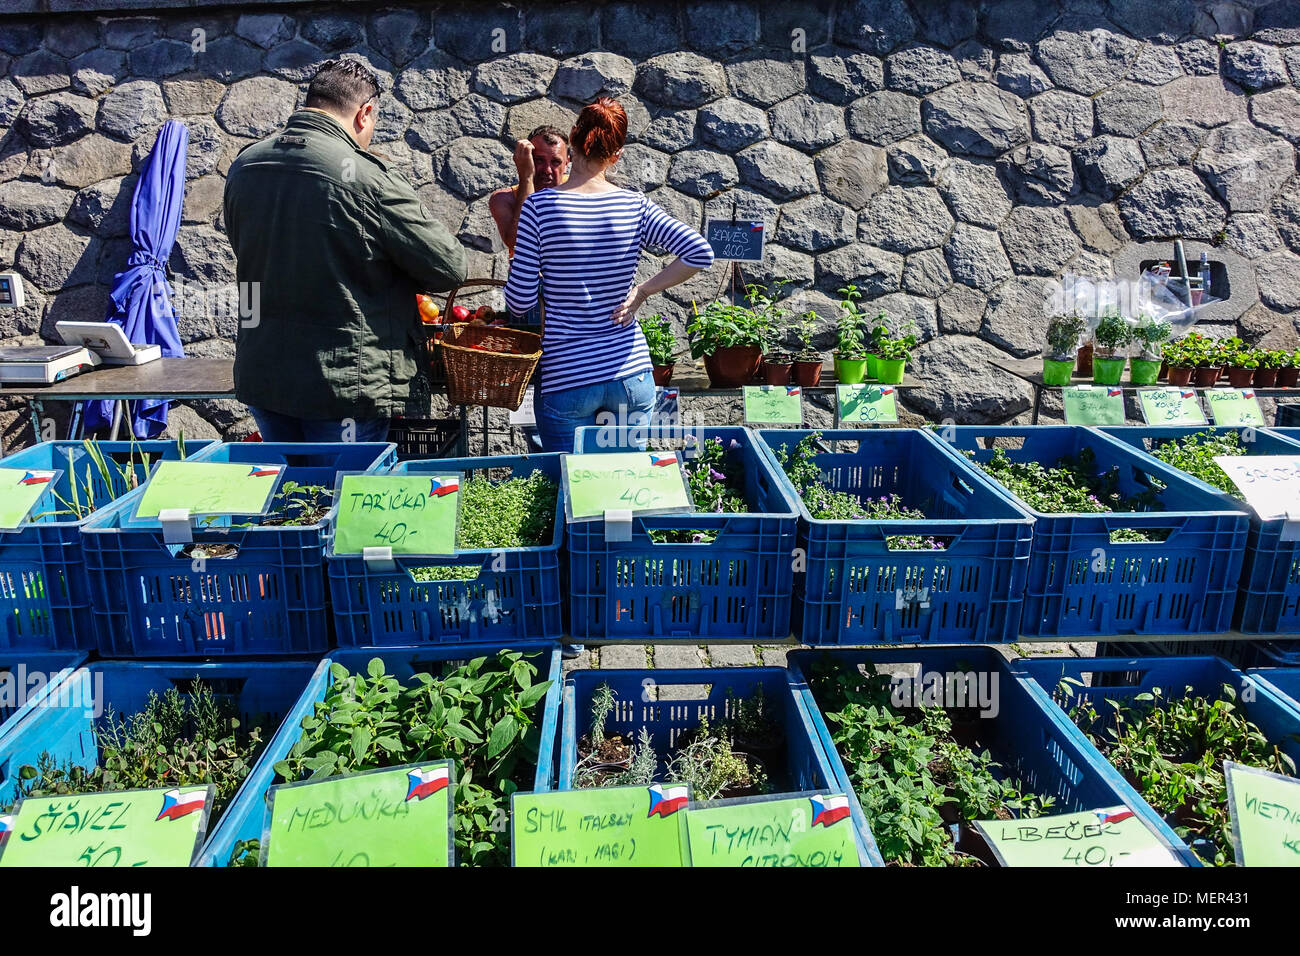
point(948, 158)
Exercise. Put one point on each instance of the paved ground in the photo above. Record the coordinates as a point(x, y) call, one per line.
point(613, 656)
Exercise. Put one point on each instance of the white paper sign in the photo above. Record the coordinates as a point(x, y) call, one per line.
point(1271, 484)
point(524, 414)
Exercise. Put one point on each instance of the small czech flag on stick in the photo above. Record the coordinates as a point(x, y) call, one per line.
point(264, 471)
point(1112, 392)
point(793, 390)
point(1189, 393)
point(443, 486)
point(36, 478)
point(665, 801)
point(657, 459)
point(177, 804)
point(423, 783)
point(1113, 815)
point(829, 809)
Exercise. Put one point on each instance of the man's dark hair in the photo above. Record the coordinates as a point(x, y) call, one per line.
point(342, 86)
point(550, 134)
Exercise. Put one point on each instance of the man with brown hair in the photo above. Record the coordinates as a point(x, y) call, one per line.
point(543, 161)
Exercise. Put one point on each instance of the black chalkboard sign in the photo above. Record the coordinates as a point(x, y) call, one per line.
point(739, 241)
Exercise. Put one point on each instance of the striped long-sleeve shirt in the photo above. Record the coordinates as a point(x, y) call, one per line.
point(582, 251)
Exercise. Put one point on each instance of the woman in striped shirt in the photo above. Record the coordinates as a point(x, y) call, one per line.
point(580, 243)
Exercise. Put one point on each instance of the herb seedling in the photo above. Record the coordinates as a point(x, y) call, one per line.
point(717, 482)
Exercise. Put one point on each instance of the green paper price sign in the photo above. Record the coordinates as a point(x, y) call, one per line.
point(643, 482)
point(20, 490)
point(1171, 406)
point(605, 826)
point(158, 827)
point(209, 488)
point(412, 514)
point(1090, 838)
point(1234, 406)
point(812, 831)
point(871, 404)
point(397, 816)
point(773, 405)
point(1094, 405)
point(1265, 810)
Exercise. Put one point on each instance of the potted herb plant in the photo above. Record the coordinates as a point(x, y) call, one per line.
point(1113, 332)
point(777, 362)
point(1207, 359)
point(729, 337)
point(1288, 376)
point(659, 338)
point(1150, 333)
point(879, 332)
point(850, 349)
point(1063, 334)
point(895, 353)
point(1242, 364)
point(1178, 357)
point(807, 369)
point(1270, 364)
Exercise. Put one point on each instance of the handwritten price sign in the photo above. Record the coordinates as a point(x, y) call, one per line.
point(412, 514)
point(161, 827)
point(1171, 406)
point(1271, 484)
point(209, 488)
point(645, 482)
point(1089, 405)
point(1265, 810)
point(774, 404)
point(740, 241)
point(870, 404)
point(1234, 406)
point(813, 831)
point(607, 827)
point(1091, 838)
point(20, 490)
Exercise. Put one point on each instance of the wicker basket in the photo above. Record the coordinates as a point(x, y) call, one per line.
point(489, 365)
point(433, 334)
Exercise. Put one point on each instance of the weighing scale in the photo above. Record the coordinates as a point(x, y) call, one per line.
point(44, 364)
point(108, 341)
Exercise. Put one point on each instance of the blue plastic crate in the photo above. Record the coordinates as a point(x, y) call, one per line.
point(267, 597)
point(1120, 679)
point(1283, 682)
point(247, 813)
point(1025, 736)
point(1240, 653)
point(1081, 584)
point(679, 699)
point(516, 594)
point(856, 590)
point(1268, 599)
point(45, 591)
point(21, 674)
point(736, 587)
point(64, 726)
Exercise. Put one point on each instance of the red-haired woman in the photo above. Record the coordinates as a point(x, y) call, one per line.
point(580, 243)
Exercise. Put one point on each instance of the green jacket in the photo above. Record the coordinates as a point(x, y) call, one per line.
point(339, 245)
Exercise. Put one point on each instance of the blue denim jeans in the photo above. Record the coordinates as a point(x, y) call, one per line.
point(630, 400)
point(275, 427)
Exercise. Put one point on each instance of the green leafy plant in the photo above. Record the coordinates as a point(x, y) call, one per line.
point(1195, 455)
point(805, 329)
point(298, 504)
point(86, 495)
point(176, 740)
point(1151, 333)
point(911, 774)
point(765, 302)
point(722, 325)
point(1274, 358)
point(898, 348)
point(711, 766)
point(1172, 750)
point(1064, 333)
point(659, 339)
point(717, 483)
point(851, 340)
point(1113, 332)
point(481, 715)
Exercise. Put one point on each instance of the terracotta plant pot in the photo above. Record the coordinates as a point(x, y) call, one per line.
point(808, 373)
point(1288, 377)
point(1266, 377)
point(1206, 377)
point(663, 374)
point(1164, 370)
point(776, 373)
point(850, 371)
point(1180, 376)
point(890, 371)
point(1143, 371)
point(1108, 371)
point(732, 366)
point(1083, 362)
point(1057, 373)
point(1241, 377)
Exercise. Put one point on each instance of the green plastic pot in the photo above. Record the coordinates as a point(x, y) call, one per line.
point(1144, 371)
point(890, 372)
point(1108, 371)
point(850, 371)
point(872, 359)
point(1057, 373)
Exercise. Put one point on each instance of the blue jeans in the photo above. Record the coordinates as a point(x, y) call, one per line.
point(275, 427)
point(630, 399)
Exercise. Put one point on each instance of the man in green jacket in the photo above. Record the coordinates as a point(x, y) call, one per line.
point(337, 245)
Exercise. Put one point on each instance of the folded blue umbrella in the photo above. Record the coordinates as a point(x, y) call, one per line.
point(141, 298)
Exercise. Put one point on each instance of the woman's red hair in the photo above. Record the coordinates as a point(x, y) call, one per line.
point(601, 129)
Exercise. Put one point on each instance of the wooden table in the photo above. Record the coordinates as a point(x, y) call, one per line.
point(171, 379)
point(1031, 371)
